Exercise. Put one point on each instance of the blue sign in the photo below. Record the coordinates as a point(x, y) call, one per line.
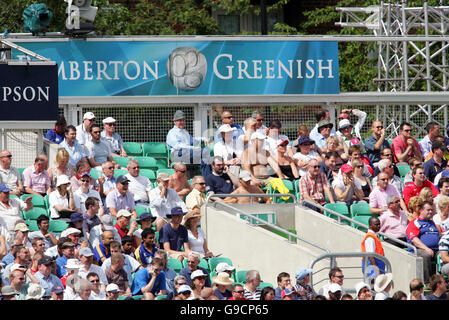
point(28, 93)
point(147, 68)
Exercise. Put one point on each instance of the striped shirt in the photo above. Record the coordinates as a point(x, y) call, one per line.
point(443, 245)
point(252, 296)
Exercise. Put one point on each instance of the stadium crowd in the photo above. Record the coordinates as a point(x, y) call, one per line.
point(92, 242)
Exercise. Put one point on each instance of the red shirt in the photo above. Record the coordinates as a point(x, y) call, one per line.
point(398, 146)
point(412, 190)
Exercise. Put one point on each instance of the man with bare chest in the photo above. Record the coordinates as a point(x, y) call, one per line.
point(178, 180)
point(246, 187)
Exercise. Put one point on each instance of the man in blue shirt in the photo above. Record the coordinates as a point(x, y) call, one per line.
point(150, 281)
point(436, 164)
point(57, 134)
point(193, 261)
point(376, 142)
point(173, 236)
point(75, 150)
point(227, 118)
point(46, 278)
point(68, 252)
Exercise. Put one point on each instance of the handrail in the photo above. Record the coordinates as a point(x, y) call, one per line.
point(251, 217)
point(363, 255)
point(339, 215)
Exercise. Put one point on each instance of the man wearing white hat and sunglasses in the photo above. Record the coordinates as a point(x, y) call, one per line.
point(114, 139)
point(82, 130)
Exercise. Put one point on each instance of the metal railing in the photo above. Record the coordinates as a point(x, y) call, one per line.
point(250, 217)
point(332, 263)
point(352, 221)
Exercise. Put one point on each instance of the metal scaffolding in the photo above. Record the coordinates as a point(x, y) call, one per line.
point(412, 56)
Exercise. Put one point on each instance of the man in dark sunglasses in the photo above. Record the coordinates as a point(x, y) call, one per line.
point(228, 118)
point(9, 174)
point(404, 146)
point(375, 143)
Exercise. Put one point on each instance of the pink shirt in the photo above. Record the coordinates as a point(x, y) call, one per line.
point(393, 225)
point(39, 182)
point(398, 146)
point(378, 197)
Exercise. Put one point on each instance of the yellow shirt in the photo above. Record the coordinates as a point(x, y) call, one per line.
point(195, 199)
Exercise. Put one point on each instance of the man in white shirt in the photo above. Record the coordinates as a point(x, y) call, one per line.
point(84, 192)
point(139, 186)
point(10, 208)
point(114, 139)
point(83, 130)
point(9, 175)
point(183, 147)
point(163, 199)
point(86, 258)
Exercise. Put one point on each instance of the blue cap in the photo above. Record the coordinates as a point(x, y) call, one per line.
point(287, 292)
point(76, 216)
point(121, 179)
point(175, 211)
point(146, 215)
point(4, 188)
point(302, 273)
point(304, 140)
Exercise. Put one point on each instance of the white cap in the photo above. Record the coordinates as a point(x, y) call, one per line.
point(226, 128)
point(197, 273)
point(184, 288)
point(109, 120)
point(68, 231)
point(62, 179)
point(344, 123)
point(258, 135)
point(359, 286)
point(123, 213)
point(223, 266)
point(89, 115)
point(334, 287)
point(17, 266)
point(245, 175)
point(112, 287)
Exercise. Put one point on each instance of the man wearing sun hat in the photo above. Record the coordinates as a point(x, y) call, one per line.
point(110, 135)
point(174, 235)
point(83, 129)
point(383, 285)
point(223, 281)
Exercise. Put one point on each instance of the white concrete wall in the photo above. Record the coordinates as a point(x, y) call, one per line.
point(252, 247)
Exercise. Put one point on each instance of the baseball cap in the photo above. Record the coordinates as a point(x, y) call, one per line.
point(179, 114)
point(346, 168)
point(76, 216)
point(62, 179)
point(109, 120)
point(226, 128)
point(45, 261)
point(344, 123)
point(86, 252)
point(324, 123)
point(57, 289)
point(123, 213)
point(121, 179)
point(69, 231)
point(112, 287)
point(89, 115)
point(4, 188)
point(354, 142)
point(305, 140)
point(302, 273)
point(184, 288)
point(107, 220)
point(67, 244)
point(18, 266)
point(334, 287)
point(223, 266)
point(21, 226)
point(163, 176)
point(282, 142)
point(359, 286)
point(197, 273)
point(85, 173)
point(287, 292)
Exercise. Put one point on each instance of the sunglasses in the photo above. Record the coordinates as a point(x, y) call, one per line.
point(8, 156)
point(134, 168)
point(240, 291)
point(110, 124)
point(387, 155)
point(407, 130)
point(84, 180)
point(230, 117)
point(94, 281)
point(379, 127)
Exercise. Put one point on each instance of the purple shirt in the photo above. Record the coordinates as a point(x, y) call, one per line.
point(115, 200)
point(39, 182)
point(378, 197)
point(393, 225)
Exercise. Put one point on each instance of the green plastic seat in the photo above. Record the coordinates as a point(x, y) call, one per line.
point(147, 163)
point(140, 210)
point(161, 297)
point(175, 264)
point(361, 219)
point(121, 161)
point(241, 276)
point(150, 174)
point(403, 170)
point(170, 171)
point(155, 149)
point(265, 284)
point(216, 260)
point(360, 209)
point(132, 148)
point(32, 225)
point(35, 213)
point(58, 226)
point(37, 200)
point(119, 172)
point(338, 207)
point(95, 173)
point(291, 189)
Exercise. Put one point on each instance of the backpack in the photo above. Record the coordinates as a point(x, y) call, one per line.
point(36, 17)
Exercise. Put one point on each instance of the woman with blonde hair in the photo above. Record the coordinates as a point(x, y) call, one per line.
point(426, 195)
point(334, 143)
point(196, 236)
point(413, 207)
point(357, 169)
point(61, 167)
point(441, 219)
